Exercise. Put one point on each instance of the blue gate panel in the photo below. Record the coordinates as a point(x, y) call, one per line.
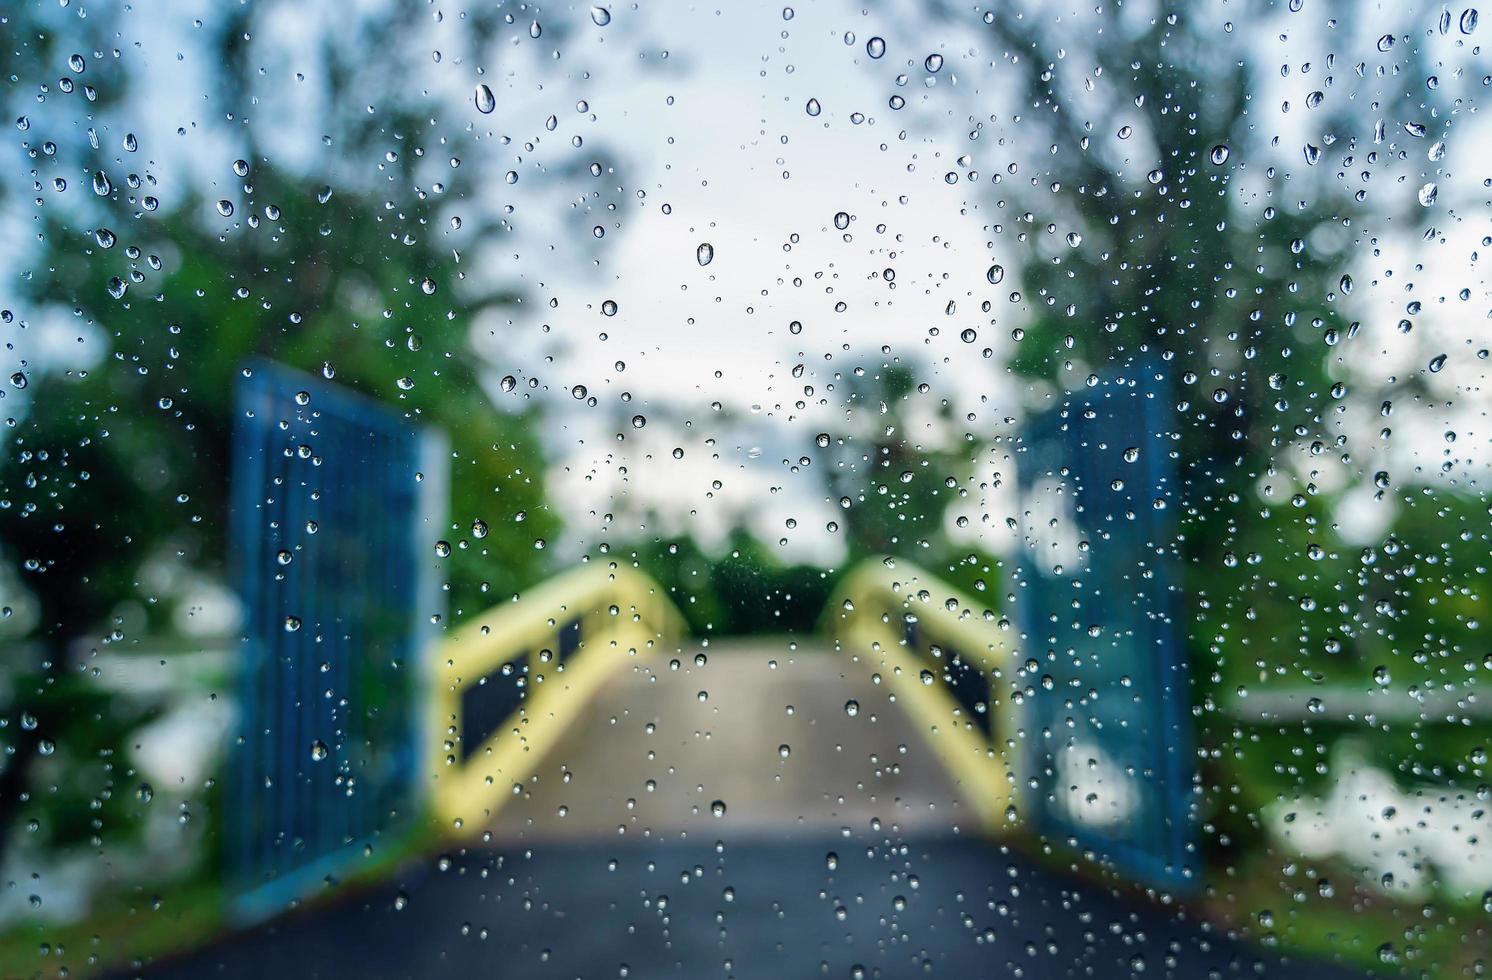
point(325, 510)
point(1108, 733)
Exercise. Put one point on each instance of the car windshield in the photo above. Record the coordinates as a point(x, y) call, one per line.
point(856, 489)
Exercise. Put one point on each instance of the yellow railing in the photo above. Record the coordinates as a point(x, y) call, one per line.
point(947, 663)
point(509, 682)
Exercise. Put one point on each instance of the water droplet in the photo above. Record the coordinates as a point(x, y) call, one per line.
point(1437, 363)
point(875, 47)
point(705, 254)
point(485, 100)
point(609, 307)
point(1427, 194)
point(813, 107)
point(225, 208)
point(718, 808)
point(319, 751)
point(101, 185)
point(1219, 154)
point(1468, 20)
point(600, 16)
point(996, 274)
point(852, 707)
point(933, 64)
point(1385, 42)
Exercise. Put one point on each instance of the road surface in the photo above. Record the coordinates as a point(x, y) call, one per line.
point(728, 817)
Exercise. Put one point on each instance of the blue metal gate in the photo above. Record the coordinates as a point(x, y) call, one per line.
point(327, 497)
point(1108, 733)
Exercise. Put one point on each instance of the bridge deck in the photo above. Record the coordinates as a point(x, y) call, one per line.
point(661, 746)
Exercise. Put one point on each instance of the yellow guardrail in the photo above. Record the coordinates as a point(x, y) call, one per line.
point(510, 681)
point(947, 663)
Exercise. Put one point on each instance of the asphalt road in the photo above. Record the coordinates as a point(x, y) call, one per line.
point(762, 910)
point(850, 854)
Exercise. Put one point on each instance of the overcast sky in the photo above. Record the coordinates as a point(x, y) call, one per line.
point(748, 128)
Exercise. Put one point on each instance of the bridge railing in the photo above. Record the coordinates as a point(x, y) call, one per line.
point(946, 661)
point(509, 682)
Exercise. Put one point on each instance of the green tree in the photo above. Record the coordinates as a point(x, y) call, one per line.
point(1162, 212)
point(116, 451)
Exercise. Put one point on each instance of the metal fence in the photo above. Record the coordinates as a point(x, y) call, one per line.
point(328, 494)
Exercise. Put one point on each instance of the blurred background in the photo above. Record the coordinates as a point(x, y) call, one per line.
point(1032, 451)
